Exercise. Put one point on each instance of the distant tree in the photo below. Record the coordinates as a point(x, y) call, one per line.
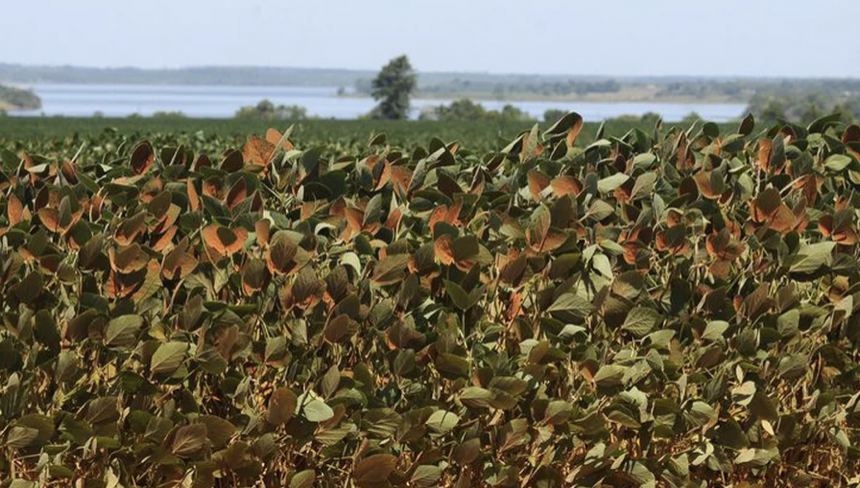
point(849, 111)
point(463, 109)
point(161, 114)
point(650, 118)
point(19, 98)
point(553, 114)
point(466, 109)
point(771, 111)
point(688, 119)
point(499, 91)
point(810, 113)
point(266, 110)
point(510, 112)
point(627, 118)
point(392, 88)
point(291, 112)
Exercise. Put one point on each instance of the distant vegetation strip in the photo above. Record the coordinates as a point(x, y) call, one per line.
point(393, 87)
point(454, 85)
point(12, 98)
point(22, 132)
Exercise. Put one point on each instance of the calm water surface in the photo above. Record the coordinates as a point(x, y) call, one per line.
point(223, 101)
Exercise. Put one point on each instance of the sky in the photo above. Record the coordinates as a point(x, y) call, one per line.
point(595, 37)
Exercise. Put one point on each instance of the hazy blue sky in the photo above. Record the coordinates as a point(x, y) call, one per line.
point(614, 37)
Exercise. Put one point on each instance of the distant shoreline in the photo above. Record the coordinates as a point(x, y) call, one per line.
point(647, 94)
point(597, 98)
point(438, 85)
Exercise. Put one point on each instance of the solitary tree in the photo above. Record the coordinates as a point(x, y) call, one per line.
point(392, 88)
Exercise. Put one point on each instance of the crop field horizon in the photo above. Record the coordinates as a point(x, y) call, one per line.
point(477, 135)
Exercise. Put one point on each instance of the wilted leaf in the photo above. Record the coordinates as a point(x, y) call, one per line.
point(282, 406)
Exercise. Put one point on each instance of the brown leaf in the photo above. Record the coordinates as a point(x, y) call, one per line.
point(16, 211)
point(142, 158)
point(566, 185)
point(258, 151)
point(237, 194)
point(282, 406)
point(374, 469)
point(537, 182)
point(223, 241)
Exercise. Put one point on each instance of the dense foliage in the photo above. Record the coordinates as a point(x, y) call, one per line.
point(18, 98)
point(466, 109)
point(213, 136)
point(266, 110)
point(673, 307)
point(805, 107)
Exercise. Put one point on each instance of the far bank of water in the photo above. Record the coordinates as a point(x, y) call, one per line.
point(223, 101)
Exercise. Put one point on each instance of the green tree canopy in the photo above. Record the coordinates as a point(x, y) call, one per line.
point(266, 110)
point(466, 109)
point(392, 88)
point(553, 114)
point(18, 98)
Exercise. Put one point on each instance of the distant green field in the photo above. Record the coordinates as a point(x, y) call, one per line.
point(478, 136)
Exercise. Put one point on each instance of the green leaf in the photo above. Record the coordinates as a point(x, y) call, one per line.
point(373, 211)
point(813, 257)
point(600, 210)
point(218, 430)
point(641, 320)
point(465, 248)
point(122, 331)
point(730, 433)
point(602, 265)
point(390, 269)
point(573, 304)
point(103, 410)
point(314, 409)
point(788, 324)
point(793, 366)
point(643, 186)
point(837, 162)
point(476, 397)
point(743, 394)
point(755, 457)
point(453, 365)
point(60, 471)
point(610, 183)
point(458, 295)
point(442, 421)
point(609, 375)
point(425, 476)
point(558, 412)
point(33, 428)
point(303, 479)
point(168, 357)
point(763, 407)
point(189, 440)
point(714, 330)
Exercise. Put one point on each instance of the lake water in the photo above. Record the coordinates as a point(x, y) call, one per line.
point(223, 101)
